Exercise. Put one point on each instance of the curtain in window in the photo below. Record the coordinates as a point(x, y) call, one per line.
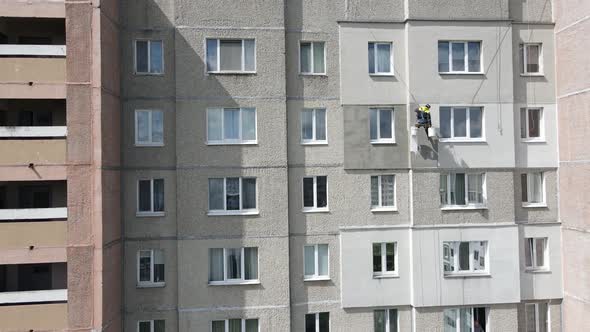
point(392, 320)
point(248, 193)
point(390, 256)
point(305, 57)
point(466, 319)
point(322, 191)
point(324, 321)
point(309, 252)
point(159, 325)
point(248, 124)
point(531, 318)
point(384, 58)
point(371, 58)
point(535, 187)
point(377, 265)
point(534, 122)
point(235, 325)
point(464, 256)
point(232, 193)
point(156, 57)
point(231, 55)
point(379, 320)
point(212, 55)
point(450, 320)
point(532, 61)
point(320, 124)
point(231, 123)
point(474, 56)
point(234, 263)
point(475, 122)
point(445, 122)
point(143, 130)
point(141, 56)
point(310, 323)
point(215, 194)
point(323, 259)
point(387, 194)
point(458, 189)
point(474, 188)
point(374, 191)
point(216, 264)
point(159, 195)
point(249, 55)
point(157, 126)
point(460, 122)
point(251, 325)
point(145, 195)
point(318, 57)
point(373, 118)
point(443, 57)
point(145, 259)
point(159, 266)
point(214, 124)
point(308, 192)
point(307, 124)
point(444, 189)
point(145, 326)
point(540, 250)
point(385, 121)
point(251, 263)
point(458, 56)
point(218, 326)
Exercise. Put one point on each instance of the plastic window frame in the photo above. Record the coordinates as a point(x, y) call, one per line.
point(315, 207)
point(375, 56)
point(151, 282)
point(465, 57)
point(241, 279)
point(380, 140)
point(316, 275)
point(533, 254)
point(467, 204)
point(239, 141)
point(312, 62)
point(149, 58)
point(151, 142)
point(454, 245)
point(225, 211)
point(151, 212)
point(524, 58)
point(467, 138)
point(314, 140)
point(382, 207)
point(384, 273)
point(243, 57)
point(527, 138)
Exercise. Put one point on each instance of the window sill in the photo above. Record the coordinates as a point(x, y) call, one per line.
point(454, 140)
point(532, 75)
point(153, 145)
point(306, 279)
point(151, 285)
point(314, 74)
point(385, 276)
point(314, 142)
point(234, 283)
point(382, 74)
point(536, 270)
point(231, 143)
point(534, 205)
point(467, 207)
point(533, 140)
point(315, 210)
point(383, 142)
point(461, 73)
point(467, 275)
point(384, 209)
point(234, 213)
point(231, 72)
point(150, 214)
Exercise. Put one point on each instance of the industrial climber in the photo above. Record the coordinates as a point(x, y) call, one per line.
point(423, 117)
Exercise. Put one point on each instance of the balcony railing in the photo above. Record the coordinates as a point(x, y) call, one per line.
point(16, 50)
point(51, 295)
point(36, 131)
point(34, 213)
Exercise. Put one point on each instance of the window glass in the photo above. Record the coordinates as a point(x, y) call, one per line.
point(532, 60)
point(528, 252)
point(385, 129)
point(212, 54)
point(445, 122)
point(141, 56)
point(143, 123)
point(373, 123)
point(387, 195)
point(464, 256)
point(158, 195)
point(251, 263)
point(234, 263)
point(230, 58)
point(377, 265)
point(460, 122)
point(310, 323)
point(466, 319)
point(159, 266)
point(384, 58)
point(156, 57)
point(249, 55)
point(450, 320)
point(474, 56)
point(390, 256)
point(215, 264)
point(248, 124)
point(371, 58)
point(235, 325)
point(145, 195)
point(323, 259)
point(320, 124)
point(307, 124)
point(309, 260)
point(324, 321)
point(159, 325)
point(305, 57)
point(214, 124)
point(374, 191)
point(379, 320)
point(248, 193)
point(145, 326)
point(232, 193)
point(531, 318)
point(318, 57)
point(145, 261)
point(218, 326)
point(216, 194)
point(443, 57)
point(475, 122)
point(534, 121)
point(157, 126)
point(540, 251)
point(392, 320)
point(231, 123)
point(543, 321)
point(322, 191)
point(251, 325)
point(458, 56)
point(308, 192)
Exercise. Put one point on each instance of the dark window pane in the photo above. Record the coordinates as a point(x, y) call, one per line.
point(159, 325)
point(145, 326)
point(141, 56)
point(373, 115)
point(310, 323)
point(458, 195)
point(231, 55)
point(390, 256)
point(392, 320)
point(251, 325)
point(532, 60)
point(324, 321)
point(212, 54)
point(524, 187)
point(377, 267)
point(158, 194)
point(475, 122)
point(144, 195)
point(534, 122)
point(379, 320)
point(463, 256)
point(216, 194)
point(159, 273)
point(235, 325)
point(320, 125)
point(385, 119)
point(234, 263)
point(156, 57)
point(248, 193)
point(445, 122)
point(232, 193)
point(307, 124)
point(144, 266)
point(218, 326)
point(443, 57)
point(308, 192)
point(322, 191)
point(371, 58)
point(374, 191)
point(474, 56)
point(523, 124)
point(460, 122)
point(305, 57)
point(251, 263)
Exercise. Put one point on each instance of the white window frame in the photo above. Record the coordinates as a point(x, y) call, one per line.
point(150, 213)
point(381, 207)
point(312, 63)
point(391, 62)
point(525, 63)
point(468, 137)
point(384, 272)
point(314, 140)
point(149, 57)
point(152, 324)
point(317, 320)
point(543, 202)
point(466, 57)
point(527, 138)
point(458, 319)
point(314, 208)
point(533, 254)
point(537, 322)
point(387, 318)
point(454, 245)
point(241, 280)
point(225, 211)
point(316, 276)
point(224, 141)
point(226, 323)
point(468, 205)
point(380, 140)
point(151, 283)
point(243, 71)
point(151, 142)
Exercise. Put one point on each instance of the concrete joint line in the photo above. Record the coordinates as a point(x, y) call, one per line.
point(203, 27)
point(212, 309)
point(329, 302)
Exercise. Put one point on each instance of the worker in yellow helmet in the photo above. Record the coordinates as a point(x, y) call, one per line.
point(423, 117)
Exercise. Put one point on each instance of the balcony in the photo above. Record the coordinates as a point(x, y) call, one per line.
point(33, 283)
point(48, 317)
point(28, 201)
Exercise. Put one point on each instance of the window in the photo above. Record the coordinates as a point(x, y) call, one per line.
point(315, 193)
point(385, 320)
point(313, 126)
point(316, 262)
point(465, 320)
point(318, 322)
point(535, 253)
point(380, 59)
point(150, 198)
point(158, 325)
point(384, 259)
point(382, 192)
point(149, 128)
point(537, 317)
point(150, 268)
point(530, 58)
point(312, 58)
point(231, 126)
point(233, 265)
point(531, 120)
point(381, 125)
point(465, 257)
point(232, 196)
point(34, 197)
point(462, 190)
point(459, 57)
point(231, 55)
point(235, 325)
point(461, 123)
point(149, 57)
point(532, 189)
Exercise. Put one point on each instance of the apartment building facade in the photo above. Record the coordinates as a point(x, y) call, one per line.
point(254, 166)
